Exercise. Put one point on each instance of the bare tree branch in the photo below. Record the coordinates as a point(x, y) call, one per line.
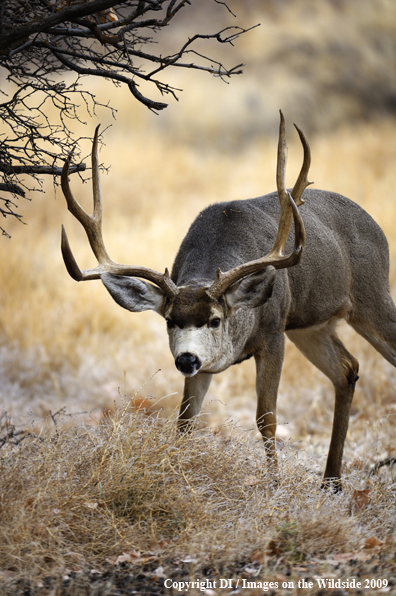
point(40, 40)
point(52, 170)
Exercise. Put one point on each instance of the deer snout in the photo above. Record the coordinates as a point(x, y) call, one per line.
point(188, 364)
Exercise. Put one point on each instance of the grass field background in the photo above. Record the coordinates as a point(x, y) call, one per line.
point(330, 67)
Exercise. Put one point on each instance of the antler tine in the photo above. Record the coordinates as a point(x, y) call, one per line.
point(281, 161)
point(92, 225)
point(289, 212)
point(286, 214)
point(97, 195)
point(302, 180)
point(71, 264)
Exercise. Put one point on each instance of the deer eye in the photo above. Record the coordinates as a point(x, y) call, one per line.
point(214, 323)
point(170, 324)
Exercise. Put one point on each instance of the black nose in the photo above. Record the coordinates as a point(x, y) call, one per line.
point(188, 363)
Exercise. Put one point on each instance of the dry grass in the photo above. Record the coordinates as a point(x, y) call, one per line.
point(133, 490)
point(98, 486)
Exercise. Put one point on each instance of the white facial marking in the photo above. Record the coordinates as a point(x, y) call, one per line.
point(211, 346)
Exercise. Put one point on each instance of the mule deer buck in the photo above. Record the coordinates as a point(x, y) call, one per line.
point(238, 286)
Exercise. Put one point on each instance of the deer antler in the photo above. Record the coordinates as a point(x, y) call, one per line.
point(92, 225)
point(288, 202)
point(302, 180)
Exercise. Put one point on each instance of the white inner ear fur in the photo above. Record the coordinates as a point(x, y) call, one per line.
point(134, 294)
point(252, 291)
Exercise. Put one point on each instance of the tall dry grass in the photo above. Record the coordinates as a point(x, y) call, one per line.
point(96, 486)
point(133, 492)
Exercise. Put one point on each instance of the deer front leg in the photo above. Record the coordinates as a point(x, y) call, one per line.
point(195, 389)
point(269, 363)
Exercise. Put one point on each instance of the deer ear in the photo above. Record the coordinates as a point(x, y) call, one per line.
point(252, 291)
point(134, 294)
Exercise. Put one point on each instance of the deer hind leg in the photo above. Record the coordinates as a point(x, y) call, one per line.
point(195, 389)
point(376, 322)
point(321, 346)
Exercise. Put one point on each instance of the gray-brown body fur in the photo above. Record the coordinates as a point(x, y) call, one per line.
point(343, 274)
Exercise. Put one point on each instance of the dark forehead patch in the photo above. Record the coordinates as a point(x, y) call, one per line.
point(192, 306)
